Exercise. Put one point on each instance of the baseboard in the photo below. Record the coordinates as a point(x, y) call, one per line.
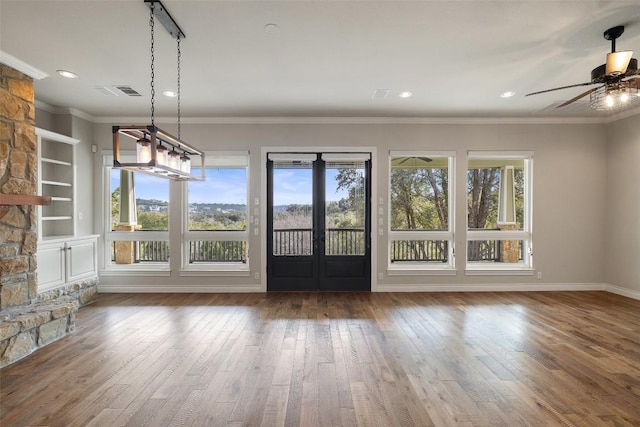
point(629, 293)
point(492, 287)
point(155, 288)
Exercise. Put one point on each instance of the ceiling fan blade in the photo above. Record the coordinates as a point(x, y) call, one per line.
point(559, 88)
point(617, 62)
point(572, 100)
point(633, 82)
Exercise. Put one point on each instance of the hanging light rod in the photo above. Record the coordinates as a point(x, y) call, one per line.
point(162, 14)
point(158, 152)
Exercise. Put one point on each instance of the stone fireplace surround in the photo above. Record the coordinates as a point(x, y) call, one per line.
point(28, 320)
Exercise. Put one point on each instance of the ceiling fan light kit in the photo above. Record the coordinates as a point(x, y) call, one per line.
point(159, 153)
point(618, 86)
point(613, 97)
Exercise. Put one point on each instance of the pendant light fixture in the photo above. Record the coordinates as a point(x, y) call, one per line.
point(158, 152)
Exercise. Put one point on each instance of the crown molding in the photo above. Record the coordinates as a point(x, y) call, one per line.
point(343, 120)
point(21, 66)
point(359, 120)
point(64, 110)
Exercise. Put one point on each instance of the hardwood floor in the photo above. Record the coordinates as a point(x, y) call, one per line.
point(337, 359)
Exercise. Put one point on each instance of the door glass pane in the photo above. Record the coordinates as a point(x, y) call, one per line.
point(292, 207)
point(345, 195)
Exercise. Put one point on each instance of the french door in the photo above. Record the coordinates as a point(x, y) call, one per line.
point(319, 222)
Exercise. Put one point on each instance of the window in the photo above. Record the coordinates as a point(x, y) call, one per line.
point(499, 211)
point(137, 221)
point(420, 219)
point(216, 232)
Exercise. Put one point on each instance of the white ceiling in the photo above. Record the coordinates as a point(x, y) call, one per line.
point(327, 59)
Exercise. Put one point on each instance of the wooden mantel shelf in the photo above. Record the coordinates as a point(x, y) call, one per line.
point(23, 199)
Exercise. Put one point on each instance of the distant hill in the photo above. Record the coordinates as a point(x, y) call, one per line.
point(216, 206)
point(145, 202)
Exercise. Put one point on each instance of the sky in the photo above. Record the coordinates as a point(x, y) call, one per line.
point(292, 186)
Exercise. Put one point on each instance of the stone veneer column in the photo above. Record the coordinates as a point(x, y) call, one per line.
point(18, 175)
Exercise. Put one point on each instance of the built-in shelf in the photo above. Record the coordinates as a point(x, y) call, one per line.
point(58, 183)
point(55, 162)
point(23, 200)
point(56, 179)
point(56, 218)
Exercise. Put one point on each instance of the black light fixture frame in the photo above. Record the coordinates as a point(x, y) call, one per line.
point(155, 135)
point(151, 132)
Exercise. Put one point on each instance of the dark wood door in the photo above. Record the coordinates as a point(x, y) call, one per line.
point(319, 227)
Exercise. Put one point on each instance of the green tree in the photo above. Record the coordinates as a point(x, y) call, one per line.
point(482, 188)
point(353, 206)
point(153, 220)
point(115, 208)
point(419, 198)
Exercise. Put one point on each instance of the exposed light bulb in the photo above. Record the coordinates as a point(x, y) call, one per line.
point(609, 100)
point(185, 163)
point(174, 159)
point(624, 97)
point(161, 155)
point(143, 150)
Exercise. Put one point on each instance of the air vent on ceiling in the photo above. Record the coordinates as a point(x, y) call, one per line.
point(380, 93)
point(127, 90)
point(105, 90)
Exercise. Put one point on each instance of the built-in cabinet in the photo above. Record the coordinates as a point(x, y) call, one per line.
point(63, 261)
point(63, 257)
point(56, 179)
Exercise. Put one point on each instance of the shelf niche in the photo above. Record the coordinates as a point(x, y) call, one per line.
point(57, 180)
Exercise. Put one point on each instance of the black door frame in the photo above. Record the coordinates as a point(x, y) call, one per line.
point(319, 272)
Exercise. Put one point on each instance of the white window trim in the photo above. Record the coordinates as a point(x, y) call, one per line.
point(418, 267)
point(227, 160)
point(525, 267)
point(111, 268)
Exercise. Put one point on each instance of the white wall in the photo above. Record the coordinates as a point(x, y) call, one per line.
point(622, 223)
point(569, 192)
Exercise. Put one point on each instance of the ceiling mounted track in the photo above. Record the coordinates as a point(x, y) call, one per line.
point(162, 14)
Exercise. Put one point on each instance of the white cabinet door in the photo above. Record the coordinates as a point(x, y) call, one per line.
point(65, 261)
point(81, 259)
point(51, 265)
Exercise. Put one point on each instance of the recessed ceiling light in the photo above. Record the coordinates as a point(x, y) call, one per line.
point(67, 74)
point(508, 94)
point(170, 93)
point(405, 94)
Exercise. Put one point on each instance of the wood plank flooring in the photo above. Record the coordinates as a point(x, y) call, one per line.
point(336, 359)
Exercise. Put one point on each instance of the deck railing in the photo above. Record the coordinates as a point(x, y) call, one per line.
point(199, 251)
point(299, 241)
point(293, 241)
point(345, 241)
point(419, 250)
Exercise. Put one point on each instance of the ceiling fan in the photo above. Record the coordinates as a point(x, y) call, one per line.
point(616, 84)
